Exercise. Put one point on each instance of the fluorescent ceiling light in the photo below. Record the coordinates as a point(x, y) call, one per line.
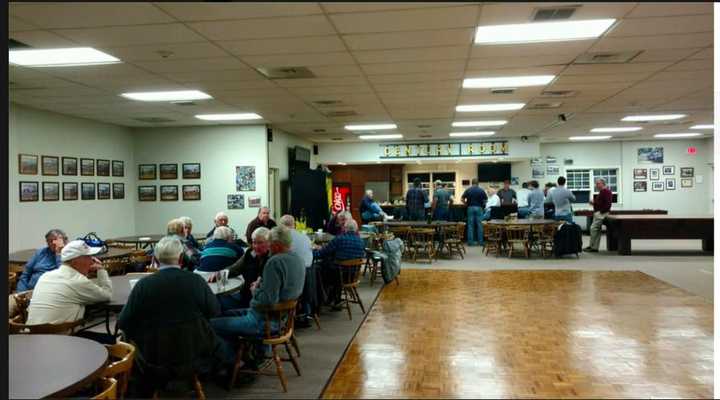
point(228, 117)
point(589, 137)
point(665, 117)
point(68, 57)
point(676, 135)
point(175, 95)
point(471, 134)
point(510, 81)
point(619, 129)
point(379, 137)
point(460, 124)
point(703, 126)
point(542, 31)
point(376, 127)
point(490, 107)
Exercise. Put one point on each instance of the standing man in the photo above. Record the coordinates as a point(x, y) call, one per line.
point(263, 219)
point(415, 200)
point(536, 200)
point(562, 199)
point(522, 200)
point(44, 260)
point(507, 196)
point(601, 207)
point(475, 198)
point(441, 203)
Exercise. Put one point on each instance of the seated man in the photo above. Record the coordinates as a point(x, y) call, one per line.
point(166, 316)
point(44, 260)
point(369, 208)
point(61, 295)
point(221, 252)
point(522, 200)
point(493, 201)
point(191, 255)
point(262, 220)
point(345, 246)
point(250, 266)
point(221, 219)
point(337, 222)
point(301, 245)
point(282, 279)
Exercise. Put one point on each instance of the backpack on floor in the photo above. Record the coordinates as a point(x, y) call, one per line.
point(568, 240)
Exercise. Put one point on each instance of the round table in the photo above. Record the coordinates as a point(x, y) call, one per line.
point(52, 365)
point(139, 240)
point(531, 222)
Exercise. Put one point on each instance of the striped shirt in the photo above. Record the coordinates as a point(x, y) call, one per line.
point(219, 254)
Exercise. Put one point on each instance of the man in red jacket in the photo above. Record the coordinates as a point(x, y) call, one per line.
point(601, 206)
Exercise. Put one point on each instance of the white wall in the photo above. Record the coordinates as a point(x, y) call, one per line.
point(219, 149)
point(278, 151)
point(43, 133)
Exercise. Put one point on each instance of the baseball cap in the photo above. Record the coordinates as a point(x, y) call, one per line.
point(77, 248)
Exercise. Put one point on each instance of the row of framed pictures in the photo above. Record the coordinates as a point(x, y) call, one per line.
point(28, 165)
point(642, 173)
point(168, 171)
point(669, 184)
point(168, 192)
point(29, 191)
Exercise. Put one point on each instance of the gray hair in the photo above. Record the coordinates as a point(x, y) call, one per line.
point(288, 220)
point(55, 233)
point(369, 192)
point(281, 234)
point(346, 214)
point(351, 225)
point(187, 221)
point(263, 208)
point(601, 180)
point(168, 250)
point(222, 233)
point(220, 215)
point(261, 233)
point(175, 226)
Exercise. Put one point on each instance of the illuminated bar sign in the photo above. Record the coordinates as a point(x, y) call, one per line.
point(454, 149)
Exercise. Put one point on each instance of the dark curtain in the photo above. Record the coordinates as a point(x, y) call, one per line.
point(309, 197)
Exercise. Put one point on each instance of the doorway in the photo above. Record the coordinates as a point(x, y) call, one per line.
point(274, 193)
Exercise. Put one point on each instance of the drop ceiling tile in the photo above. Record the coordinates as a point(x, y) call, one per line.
point(231, 85)
point(188, 11)
point(330, 71)
point(519, 62)
point(16, 24)
point(409, 20)
point(309, 44)
point(407, 55)
point(67, 91)
point(691, 65)
point(518, 13)
point(240, 74)
point(410, 95)
point(332, 8)
point(296, 60)
point(566, 80)
point(486, 73)
point(400, 40)
point(132, 35)
point(108, 71)
point(418, 86)
point(671, 78)
point(667, 9)
point(628, 68)
point(291, 27)
point(191, 65)
point(318, 82)
point(155, 52)
point(575, 48)
point(420, 77)
point(663, 26)
point(87, 14)
point(42, 39)
point(330, 90)
point(435, 112)
point(705, 54)
point(663, 55)
point(613, 44)
point(414, 67)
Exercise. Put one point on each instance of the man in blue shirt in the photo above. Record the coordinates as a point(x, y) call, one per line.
point(346, 246)
point(536, 201)
point(475, 198)
point(44, 260)
point(369, 208)
point(415, 200)
point(221, 252)
point(562, 199)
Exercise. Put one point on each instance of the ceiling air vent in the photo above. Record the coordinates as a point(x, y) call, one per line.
point(425, 136)
point(319, 130)
point(558, 93)
point(607, 57)
point(337, 138)
point(553, 14)
point(286, 72)
point(184, 103)
point(328, 102)
point(14, 44)
point(154, 120)
point(502, 91)
point(424, 126)
point(348, 113)
point(544, 106)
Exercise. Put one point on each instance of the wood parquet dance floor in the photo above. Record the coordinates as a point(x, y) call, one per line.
point(559, 334)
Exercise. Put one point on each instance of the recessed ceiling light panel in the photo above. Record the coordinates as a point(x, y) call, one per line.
point(68, 57)
point(542, 31)
point(174, 95)
point(380, 137)
point(676, 135)
point(617, 129)
point(470, 134)
point(508, 82)
point(375, 127)
point(464, 124)
point(489, 107)
point(708, 126)
point(664, 117)
point(228, 117)
point(589, 138)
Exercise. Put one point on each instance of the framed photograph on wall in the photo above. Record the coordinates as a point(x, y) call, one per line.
point(236, 201)
point(190, 192)
point(687, 172)
point(70, 191)
point(670, 184)
point(654, 174)
point(69, 166)
point(650, 155)
point(87, 191)
point(658, 186)
point(29, 191)
point(640, 186)
point(668, 170)
point(103, 191)
point(147, 193)
point(118, 191)
point(87, 167)
point(103, 168)
point(245, 178)
point(168, 193)
point(191, 171)
point(50, 165)
point(51, 191)
point(147, 171)
point(254, 202)
point(640, 173)
point(27, 164)
point(118, 168)
point(686, 182)
point(168, 171)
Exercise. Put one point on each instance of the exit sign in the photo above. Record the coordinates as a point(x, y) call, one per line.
point(692, 150)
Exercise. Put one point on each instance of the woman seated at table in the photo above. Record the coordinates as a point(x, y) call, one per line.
point(250, 266)
point(191, 255)
point(221, 252)
point(191, 241)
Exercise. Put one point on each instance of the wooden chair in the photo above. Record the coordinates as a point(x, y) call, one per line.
point(518, 234)
point(122, 356)
point(119, 245)
point(12, 281)
point(282, 314)
point(404, 233)
point(140, 257)
point(423, 242)
point(452, 240)
point(545, 239)
point(197, 387)
point(15, 326)
point(493, 238)
point(462, 228)
point(18, 304)
point(108, 387)
point(349, 271)
point(115, 267)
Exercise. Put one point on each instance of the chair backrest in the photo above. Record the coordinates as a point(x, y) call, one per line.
point(547, 231)
point(350, 270)
point(12, 280)
point(18, 304)
point(17, 327)
point(423, 234)
point(517, 232)
point(122, 356)
point(461, 230)
point(115, 266)
point(282, 314)
point(108, 388)
point(140, 256)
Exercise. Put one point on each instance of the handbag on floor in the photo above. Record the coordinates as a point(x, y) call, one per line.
point(568, 240)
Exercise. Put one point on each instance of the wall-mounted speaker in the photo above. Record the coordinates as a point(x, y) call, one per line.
point(269, 135)
point(316, 149)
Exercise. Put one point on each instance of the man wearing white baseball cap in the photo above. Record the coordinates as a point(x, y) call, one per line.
point(62, 294)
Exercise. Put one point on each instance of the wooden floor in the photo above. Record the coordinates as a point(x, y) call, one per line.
point(530, 334)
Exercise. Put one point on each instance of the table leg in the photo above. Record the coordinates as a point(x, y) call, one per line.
point(708, 244)
point(588, 221)
point(611, 237)
point(107, 322)
point(623, 245)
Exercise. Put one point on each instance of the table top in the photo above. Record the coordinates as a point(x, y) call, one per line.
point(52, 365)
point(137, 239)
point(23, 256)
point(590, 212)
point(419, 223)
point(659, 217)
point(522, 222)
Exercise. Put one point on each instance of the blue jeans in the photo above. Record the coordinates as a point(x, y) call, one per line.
point(416, 215)
point(474, 224)
point(236, 323)
point(486, 215)
point(523, 212)
point(564, 217)
point(371, 216)
point(232, 301)
point(441, 214)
